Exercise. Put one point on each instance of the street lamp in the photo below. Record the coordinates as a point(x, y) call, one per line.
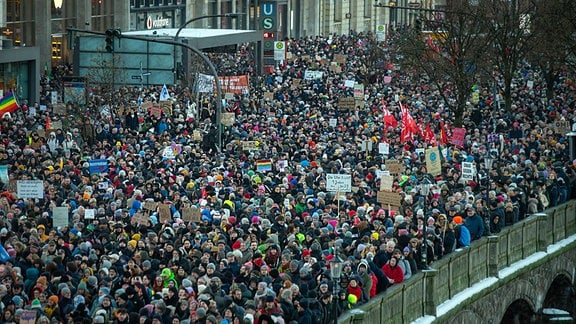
point(58, 4)
point(488, 162)
point(336, 266)
point(425, 189)
point(392, 5)
point(349, 17)
point(212, 70)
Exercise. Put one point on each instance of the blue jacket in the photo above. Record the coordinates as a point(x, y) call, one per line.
point(475, 225)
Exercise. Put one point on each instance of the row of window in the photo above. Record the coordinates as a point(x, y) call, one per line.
point(339, 13)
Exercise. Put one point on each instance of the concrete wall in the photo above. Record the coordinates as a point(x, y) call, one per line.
point(422, 294)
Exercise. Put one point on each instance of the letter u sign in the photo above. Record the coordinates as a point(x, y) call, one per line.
point(268, 9)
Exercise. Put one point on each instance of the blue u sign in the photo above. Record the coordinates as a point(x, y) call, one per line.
point(268, 9)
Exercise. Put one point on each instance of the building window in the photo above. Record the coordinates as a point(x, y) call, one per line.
point(338, 10)
point(367, 8)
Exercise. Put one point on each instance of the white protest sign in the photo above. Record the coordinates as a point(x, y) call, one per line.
point(60, 217)
point(30, 189)
point(313, 75)
point(384, 148)
point(467, 171)
point(338, 182)
point(349, 83)
point(333, 122)
point(89, 214)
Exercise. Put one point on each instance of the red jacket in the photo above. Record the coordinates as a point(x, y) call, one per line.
point(394, 273)
point(357, 291)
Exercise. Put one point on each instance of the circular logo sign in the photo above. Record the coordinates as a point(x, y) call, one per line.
point(149, 22)
point(380, 28)
point(279, 45)
point(268, 44)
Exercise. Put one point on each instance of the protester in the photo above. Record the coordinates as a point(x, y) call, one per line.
point(164, 225)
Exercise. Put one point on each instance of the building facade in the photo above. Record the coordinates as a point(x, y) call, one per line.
point(43, 23)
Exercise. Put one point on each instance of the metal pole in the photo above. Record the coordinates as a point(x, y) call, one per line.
point(212, 69)
point(196, 51)
point(231, 15)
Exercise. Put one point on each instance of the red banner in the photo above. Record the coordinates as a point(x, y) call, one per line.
point(237, 84)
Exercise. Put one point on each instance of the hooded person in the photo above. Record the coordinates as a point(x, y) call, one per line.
point(393, 271)
point(365, 275)
point(168, 277)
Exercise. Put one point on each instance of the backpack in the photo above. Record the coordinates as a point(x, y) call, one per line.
point(465, 238)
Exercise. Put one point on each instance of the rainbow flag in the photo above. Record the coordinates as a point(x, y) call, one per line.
point(8, 104)
point(264, 165)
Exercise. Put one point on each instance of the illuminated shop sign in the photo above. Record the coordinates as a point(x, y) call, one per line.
point(159, 22)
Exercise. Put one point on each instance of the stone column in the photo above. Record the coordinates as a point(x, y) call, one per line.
point(122, 15)
point(430, 292)
point(544, 236)
point(493, 253)
point(43, 17)
point(83, 14)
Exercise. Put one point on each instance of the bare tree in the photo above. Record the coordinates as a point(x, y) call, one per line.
point(508, 28)
point(553, 45)
point(451, 55)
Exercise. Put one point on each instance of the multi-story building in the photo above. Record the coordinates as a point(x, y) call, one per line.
point(35, 37)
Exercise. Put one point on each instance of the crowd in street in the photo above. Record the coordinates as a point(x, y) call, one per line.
point(176, 228)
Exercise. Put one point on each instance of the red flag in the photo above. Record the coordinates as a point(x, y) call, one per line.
point(429, 136)
point(409, 127)
point(443, 134)
point(389, 120)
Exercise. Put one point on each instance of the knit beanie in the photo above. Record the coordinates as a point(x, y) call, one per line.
point(36, 303)
point(132, 243)
point(81, 285)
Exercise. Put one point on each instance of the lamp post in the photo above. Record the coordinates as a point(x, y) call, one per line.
point(488, 162)
point(212, 70)
point(58, 4)
point(336, 266)
point(425, 189)
point(349, 17)
point(392, 5)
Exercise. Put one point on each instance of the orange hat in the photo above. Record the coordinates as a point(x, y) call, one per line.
point(457, 220)
point(54, 299)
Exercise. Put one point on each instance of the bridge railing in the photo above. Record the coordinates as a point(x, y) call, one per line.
point(461, 269)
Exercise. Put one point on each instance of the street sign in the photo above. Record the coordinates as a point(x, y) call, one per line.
point(136, 77)
point(414, 4)
point(268, 23)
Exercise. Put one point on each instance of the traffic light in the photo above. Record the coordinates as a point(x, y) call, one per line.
point(110, 35)
point(110, 40)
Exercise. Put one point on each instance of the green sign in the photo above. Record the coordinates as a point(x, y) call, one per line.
point(268, 23)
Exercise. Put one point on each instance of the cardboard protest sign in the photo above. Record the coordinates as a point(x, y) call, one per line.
point(346, 103)
point(228, 119)
point(191, 214)
point(388, 198)
point(164, 213)
point(150, 205)
point(394, 166)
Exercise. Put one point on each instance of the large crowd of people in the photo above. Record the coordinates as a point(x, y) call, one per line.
point(165, 225)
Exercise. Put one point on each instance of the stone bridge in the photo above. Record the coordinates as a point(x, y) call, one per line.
point(514, 277)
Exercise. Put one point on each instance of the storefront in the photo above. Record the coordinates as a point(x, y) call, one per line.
point(148, 14)
point(19, 73)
